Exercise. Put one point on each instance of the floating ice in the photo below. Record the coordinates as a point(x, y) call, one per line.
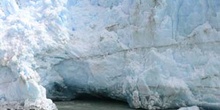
point(189, 108)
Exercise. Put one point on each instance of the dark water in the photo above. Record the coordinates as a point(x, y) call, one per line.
point(93, 105)
point(88, 102)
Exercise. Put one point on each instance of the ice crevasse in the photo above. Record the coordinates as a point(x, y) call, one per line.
point(153, 54)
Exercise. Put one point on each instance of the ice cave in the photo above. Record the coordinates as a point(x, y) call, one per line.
point(151, 54)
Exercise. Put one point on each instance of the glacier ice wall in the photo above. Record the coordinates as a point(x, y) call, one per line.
point(153, 54)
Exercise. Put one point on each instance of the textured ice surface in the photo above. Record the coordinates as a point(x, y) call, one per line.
point(154, 54)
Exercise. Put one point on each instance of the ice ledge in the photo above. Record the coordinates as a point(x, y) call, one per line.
point(40, 104)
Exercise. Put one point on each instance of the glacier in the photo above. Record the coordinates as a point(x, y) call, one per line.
point(152, 54)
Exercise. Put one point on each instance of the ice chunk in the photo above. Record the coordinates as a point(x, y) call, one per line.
point(189, 108)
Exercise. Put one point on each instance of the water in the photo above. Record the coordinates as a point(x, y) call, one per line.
point(92, 105)
point(88, 102)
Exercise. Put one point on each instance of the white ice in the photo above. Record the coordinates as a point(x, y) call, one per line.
point(153, 54)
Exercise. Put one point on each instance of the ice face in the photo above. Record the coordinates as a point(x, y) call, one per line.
point(153, 54)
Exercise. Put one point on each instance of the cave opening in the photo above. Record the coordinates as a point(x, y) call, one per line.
point(92, 102)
